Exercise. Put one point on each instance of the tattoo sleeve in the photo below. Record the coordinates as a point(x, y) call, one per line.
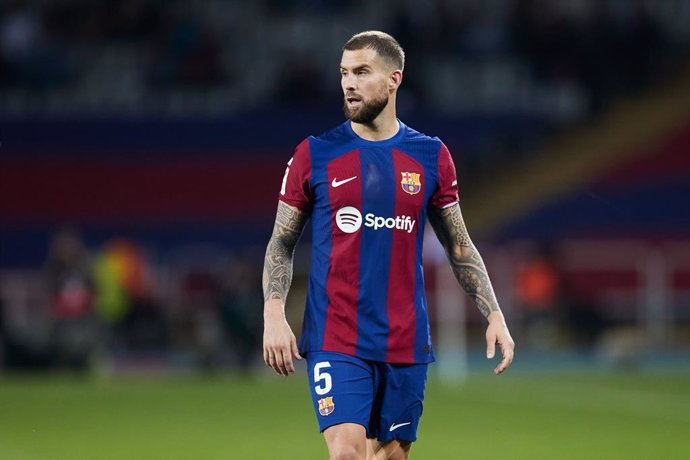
point(277, 274)
point(468, 266)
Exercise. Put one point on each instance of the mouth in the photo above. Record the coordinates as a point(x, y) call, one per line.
point(353, 101)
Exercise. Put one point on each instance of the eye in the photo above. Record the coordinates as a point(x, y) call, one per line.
point(361, 72)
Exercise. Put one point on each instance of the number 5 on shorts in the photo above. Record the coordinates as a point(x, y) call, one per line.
point(325, 376)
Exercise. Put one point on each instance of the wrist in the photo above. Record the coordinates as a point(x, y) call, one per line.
point(274, 309)
point(496, 315)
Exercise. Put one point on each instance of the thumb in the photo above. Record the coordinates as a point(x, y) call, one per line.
point(293, 349)
point(490, 346)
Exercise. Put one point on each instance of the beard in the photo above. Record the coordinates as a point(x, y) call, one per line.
point(367, 111)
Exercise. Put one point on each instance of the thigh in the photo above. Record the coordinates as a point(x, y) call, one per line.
point(401, 401)
point(342, 389)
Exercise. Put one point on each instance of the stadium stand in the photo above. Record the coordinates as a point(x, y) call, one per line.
point(144, 119)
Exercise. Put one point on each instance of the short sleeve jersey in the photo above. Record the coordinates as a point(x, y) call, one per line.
point(368, 203)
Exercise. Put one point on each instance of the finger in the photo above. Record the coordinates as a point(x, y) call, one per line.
point(490, 346)
point(507, 353)
point(502, 366)
point(287, 359)
point(272, 361)
point(505, 364)
point(280, 364)
point(266, 357)
point(295, 351)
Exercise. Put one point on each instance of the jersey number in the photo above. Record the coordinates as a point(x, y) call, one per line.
point(287, 171)
point(325, 376)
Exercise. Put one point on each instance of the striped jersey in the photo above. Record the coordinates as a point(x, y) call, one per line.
point(368, 201)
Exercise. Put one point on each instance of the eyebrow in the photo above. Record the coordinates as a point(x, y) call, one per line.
point(359, 67)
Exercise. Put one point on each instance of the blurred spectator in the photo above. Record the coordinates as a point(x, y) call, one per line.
point(112, 300)
point(69, 278)
point(68, 274)
point(125, 297)
point(555, 313)
point(240, 308)
point(538, 293)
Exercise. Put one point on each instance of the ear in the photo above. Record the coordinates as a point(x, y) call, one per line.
point(395, 79)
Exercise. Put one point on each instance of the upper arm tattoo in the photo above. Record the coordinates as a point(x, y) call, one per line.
point(277, 274)
point(466, 262)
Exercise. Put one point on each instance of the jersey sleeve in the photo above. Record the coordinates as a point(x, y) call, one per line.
point(295, 189)
point(447, 192)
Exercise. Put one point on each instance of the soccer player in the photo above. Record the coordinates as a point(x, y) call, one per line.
point(368, 186)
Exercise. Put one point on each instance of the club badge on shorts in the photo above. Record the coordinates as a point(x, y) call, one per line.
point(326, 406)
point(411, 183)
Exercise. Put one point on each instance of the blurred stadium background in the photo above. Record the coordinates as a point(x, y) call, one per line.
point(142, 144)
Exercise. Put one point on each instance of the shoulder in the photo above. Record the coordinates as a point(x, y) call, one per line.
point(329, 144)
point(330, 138)
point(335, 135)
point(416, 137)
point(302, 152)
point(413, 134)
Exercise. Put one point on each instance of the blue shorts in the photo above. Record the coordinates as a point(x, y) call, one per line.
point(384, 398)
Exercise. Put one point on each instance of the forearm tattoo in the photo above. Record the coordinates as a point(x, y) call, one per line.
point(277, 274)
point(467, 264)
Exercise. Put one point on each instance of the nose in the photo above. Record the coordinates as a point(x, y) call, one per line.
point(349, 82)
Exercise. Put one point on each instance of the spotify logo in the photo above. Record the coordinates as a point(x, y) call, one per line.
point(348, 219)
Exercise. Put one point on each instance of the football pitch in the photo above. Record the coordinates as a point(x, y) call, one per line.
point(518, 416)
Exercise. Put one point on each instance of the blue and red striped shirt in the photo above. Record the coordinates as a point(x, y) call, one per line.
point(368, 203)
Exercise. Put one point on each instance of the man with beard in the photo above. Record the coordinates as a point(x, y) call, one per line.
point(368, 186)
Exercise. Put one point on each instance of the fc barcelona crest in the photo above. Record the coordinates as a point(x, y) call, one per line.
point(411, 183)
point(326, 406)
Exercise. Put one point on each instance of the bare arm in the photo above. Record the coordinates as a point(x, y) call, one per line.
point(280, 344)
point(470, 271)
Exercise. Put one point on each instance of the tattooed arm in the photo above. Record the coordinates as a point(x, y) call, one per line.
point(470, 271)
point(280, 345)
point(287, 229)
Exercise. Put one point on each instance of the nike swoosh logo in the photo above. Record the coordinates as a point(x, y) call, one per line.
point(336, 183)
point(395, 427)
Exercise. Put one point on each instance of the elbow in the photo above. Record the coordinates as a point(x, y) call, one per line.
point(280, 245)
point(459, 254)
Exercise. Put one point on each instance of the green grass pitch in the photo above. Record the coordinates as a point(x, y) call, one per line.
point(517, 416)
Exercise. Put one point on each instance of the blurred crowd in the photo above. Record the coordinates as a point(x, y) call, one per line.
point(121, 307)
point(213, 56)
point(110, 303)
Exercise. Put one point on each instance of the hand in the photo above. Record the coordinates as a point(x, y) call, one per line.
point(497, 332)
point(280, 345)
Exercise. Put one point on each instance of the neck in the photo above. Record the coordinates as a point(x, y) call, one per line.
point(383, 127)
